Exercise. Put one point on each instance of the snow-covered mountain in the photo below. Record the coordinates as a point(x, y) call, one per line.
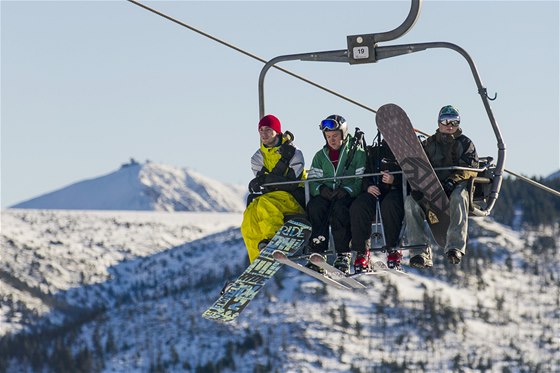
point(147, 186)
point(124, 291)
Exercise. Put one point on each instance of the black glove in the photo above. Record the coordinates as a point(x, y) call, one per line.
point(271, 179)
point(255, 185)
point(448, 186)
point(340, 193)
point(287, 152)
point(326, 192)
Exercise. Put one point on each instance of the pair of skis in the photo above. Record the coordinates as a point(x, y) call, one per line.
point(333, 276)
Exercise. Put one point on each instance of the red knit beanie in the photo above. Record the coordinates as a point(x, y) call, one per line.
point(272, 122)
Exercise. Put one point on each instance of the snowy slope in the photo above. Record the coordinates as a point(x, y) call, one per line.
point(148, 186)
point(136, 284)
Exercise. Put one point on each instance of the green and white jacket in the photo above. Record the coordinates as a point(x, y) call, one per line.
point(322, 167)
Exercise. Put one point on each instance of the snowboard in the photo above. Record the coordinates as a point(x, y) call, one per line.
point(289, 238)
point(396, 128)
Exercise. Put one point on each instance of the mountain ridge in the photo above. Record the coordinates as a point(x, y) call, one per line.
point(144, 187)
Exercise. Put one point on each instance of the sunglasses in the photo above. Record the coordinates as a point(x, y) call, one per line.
point(329, 125)
point(450, 122)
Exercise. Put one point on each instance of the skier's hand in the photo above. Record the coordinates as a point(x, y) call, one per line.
point(326, 192)
point(387, 178)
point(272, 178)
point(374, 190)
point(448, 186)
point(340, 193)
point(255, 185)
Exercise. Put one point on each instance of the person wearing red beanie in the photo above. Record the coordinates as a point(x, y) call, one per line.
point(276, 160)
point(272, 122)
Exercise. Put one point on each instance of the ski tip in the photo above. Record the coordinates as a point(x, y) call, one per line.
point(316, 258)
point(280, 255)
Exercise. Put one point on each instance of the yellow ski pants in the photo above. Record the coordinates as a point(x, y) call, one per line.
point(264, 216)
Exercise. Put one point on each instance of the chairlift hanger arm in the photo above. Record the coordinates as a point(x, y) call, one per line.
point(364, 49)
point(397, 50)
point(341, 55)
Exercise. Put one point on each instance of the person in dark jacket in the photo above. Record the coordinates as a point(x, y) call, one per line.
point(447, 147)
point(387, 189)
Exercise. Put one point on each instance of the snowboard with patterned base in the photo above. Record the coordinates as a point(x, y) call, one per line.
point(396, 128)
point(289, 239)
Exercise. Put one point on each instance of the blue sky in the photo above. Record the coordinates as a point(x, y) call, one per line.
point(86, 85)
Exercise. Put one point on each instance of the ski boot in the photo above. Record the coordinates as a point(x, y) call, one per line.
point(454, 256)
point(342, 262)
point(393, 259)
point(421, 261)
point(361, 264)
point(262, 244)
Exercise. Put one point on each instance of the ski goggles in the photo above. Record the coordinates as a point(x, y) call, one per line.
point(329, 125)
point(450, 122)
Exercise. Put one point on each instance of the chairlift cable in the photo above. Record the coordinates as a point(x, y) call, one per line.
point(520, 177)
point(534, 183)
point(251, 55)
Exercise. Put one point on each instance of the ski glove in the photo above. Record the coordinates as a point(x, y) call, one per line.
point(340, 193)
point(287, 152)
point(255, 185)
point(326, 192)
point(448, 186)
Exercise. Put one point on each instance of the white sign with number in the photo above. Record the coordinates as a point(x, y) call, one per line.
point(360, 53)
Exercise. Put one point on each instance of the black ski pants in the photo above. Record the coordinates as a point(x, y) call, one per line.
point(362, 215)
point(322, 212)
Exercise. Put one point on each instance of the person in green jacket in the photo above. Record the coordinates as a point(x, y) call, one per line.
point(331, 199)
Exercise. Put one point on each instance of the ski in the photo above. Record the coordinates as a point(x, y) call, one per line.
point(335, 273)
point(282, 258)
point(380, 268)
point(237, 295)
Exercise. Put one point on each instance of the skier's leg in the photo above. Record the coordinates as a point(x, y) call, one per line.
point(317, 212)
point(340, 224)
point(458, 219)
point(362, 213)
point(392, 213)
point(264, 216)
point(415, 234)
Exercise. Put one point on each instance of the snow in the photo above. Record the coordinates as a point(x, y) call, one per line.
point(59, 250)
point(154, 273)
point(148, 186)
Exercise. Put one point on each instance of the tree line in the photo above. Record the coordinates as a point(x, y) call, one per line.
point(521, 203)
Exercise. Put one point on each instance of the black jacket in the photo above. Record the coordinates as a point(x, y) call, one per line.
point(445, 150)
point(381, 158)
